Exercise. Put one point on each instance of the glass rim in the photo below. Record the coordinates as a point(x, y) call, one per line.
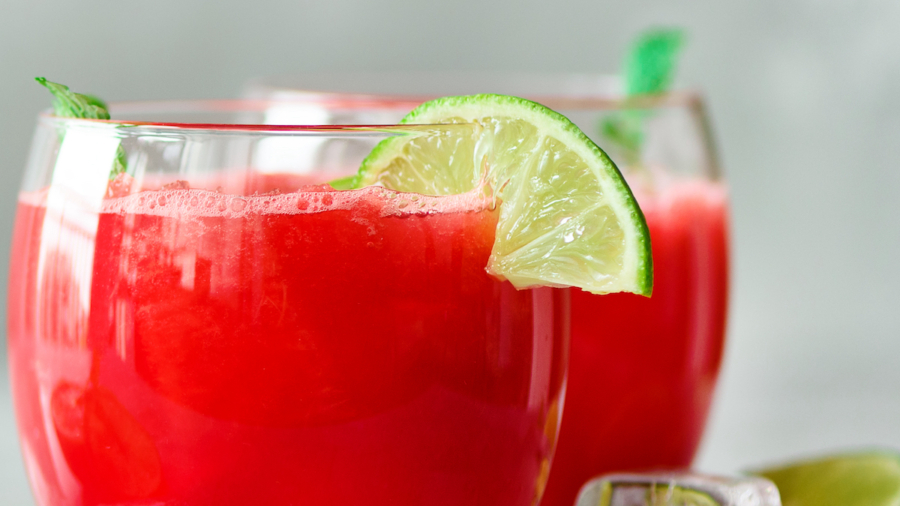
point(212, 106)
point(610, 96)
point(330, 100)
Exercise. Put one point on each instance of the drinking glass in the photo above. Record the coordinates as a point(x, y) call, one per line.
point(642, 371)
point(213, 325)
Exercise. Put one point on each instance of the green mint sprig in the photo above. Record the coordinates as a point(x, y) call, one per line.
point(651, 64)
point(649, 70)
point(68, 104)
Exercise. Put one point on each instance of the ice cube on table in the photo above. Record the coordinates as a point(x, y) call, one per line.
point(677, 489)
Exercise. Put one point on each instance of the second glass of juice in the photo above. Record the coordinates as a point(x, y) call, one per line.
point(216, 326)
point(642, 370)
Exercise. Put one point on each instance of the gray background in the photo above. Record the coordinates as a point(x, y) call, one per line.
point(805, 99)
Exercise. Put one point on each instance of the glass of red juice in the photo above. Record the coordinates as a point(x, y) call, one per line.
point(642, 370)
point(216, 326)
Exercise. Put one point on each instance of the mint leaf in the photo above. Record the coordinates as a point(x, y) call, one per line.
point(649, 69)
point(68, 104)
point(650, 66)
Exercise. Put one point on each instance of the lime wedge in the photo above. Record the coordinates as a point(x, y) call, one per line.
point(863, 479)
point(567, 217)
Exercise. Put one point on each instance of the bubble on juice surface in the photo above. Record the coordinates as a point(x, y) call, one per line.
point(238, 204)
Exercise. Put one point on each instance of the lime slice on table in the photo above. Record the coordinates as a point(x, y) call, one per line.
point(862, 479)
point(567, 217)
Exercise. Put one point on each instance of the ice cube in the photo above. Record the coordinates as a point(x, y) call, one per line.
point(677, 489)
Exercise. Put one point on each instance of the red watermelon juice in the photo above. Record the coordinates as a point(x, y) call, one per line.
point(188, 347)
